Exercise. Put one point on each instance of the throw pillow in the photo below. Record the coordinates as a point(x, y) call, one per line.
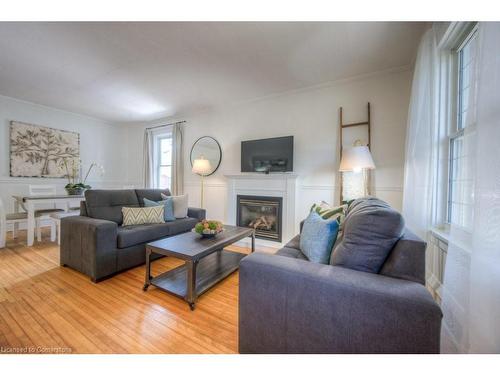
point(180, 205)
point(167, 203)
point(143, 215)
point(317, 238)
point(371, 229)
point(327, 211)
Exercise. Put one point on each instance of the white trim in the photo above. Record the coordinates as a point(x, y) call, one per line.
point(319, 187)
point(320, 86)
point(333, 83)
point(454, 34)
point(162, 132)
point(50, 181)
point(442, 234)
point(106, 122)
point(301, 187)
point(261, 176)
point(205, 184)
point(467, 36)
point(282, 185)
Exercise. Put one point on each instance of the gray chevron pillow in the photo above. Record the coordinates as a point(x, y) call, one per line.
point(143, 215)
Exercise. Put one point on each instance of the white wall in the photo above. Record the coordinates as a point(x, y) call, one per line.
point(311, 116)
point(101, 142)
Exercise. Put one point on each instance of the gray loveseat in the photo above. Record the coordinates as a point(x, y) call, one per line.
point(290, 305)
point(96, 244)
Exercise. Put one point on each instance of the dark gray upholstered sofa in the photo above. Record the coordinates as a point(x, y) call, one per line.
point(290, 305)
point(96, 244)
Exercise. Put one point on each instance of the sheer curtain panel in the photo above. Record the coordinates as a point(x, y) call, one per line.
point(471, 291)
point(177, 159)
point(148, 159)
point(421, 140)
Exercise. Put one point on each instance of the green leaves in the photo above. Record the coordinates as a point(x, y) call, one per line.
point(79, 185)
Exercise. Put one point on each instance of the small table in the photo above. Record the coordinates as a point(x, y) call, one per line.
point(30, 202)
point(207, 262)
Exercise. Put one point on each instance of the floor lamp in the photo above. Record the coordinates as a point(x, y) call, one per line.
point(202, 168)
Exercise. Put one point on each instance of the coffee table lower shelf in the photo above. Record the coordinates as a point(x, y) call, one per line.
point(209, 271)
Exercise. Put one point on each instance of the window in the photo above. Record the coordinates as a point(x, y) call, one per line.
point(163, 161)
point(461, 182)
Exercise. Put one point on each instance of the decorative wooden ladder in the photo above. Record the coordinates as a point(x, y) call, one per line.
point(354, 124)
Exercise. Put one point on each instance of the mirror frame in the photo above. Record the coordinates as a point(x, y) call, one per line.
point(220, 151)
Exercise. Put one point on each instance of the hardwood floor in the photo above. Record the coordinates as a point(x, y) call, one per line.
point(53, 309)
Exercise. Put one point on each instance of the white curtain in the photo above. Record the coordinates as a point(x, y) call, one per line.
point(422, 140)
point(148, 159)
point(177, 159)
point(471, 290)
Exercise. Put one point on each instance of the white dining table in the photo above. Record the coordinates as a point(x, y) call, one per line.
point(33, 202)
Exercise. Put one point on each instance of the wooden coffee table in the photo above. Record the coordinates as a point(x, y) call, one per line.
point(206, 261)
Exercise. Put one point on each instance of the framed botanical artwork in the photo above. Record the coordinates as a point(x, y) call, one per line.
point(39, 151)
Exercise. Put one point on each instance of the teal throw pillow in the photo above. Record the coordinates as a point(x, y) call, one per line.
point(168, 207)
point(318, 237)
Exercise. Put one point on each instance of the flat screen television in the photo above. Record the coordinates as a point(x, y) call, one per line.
point(267, 155)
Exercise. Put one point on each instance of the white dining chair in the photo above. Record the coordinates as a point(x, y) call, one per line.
point(16, 219)
point(44, 214)
point(57, 216)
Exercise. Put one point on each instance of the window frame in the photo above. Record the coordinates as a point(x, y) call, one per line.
point(456, 129)
point(157, 139)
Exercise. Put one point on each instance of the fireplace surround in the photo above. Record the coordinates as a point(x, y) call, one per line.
point(283, 185)
point(262, 213)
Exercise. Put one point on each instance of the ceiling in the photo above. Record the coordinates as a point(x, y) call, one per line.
point(130, 71)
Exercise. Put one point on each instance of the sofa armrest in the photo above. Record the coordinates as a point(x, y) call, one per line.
point(89, 245)
point(197, 213)
point(290, 305)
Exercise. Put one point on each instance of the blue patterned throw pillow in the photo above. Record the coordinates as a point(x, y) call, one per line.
point(317, 237)
point(168, 207)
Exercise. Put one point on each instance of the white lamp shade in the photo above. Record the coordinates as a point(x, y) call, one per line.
point(356, 158)
point(201, 166)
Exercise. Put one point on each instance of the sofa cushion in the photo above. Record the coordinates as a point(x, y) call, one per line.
point(137, 234)
point(407, 259)
point(371, 229)
point(107, 204)
point(291, 252)
point(317, 238)
point(151, 194)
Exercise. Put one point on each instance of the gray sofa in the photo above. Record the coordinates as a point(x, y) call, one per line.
point(96, 244)
point(290, 305)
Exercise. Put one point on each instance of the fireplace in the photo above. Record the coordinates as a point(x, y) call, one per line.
point(262, 213)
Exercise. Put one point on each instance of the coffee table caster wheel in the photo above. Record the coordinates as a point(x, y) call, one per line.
point(145, 287)
point(192, 306)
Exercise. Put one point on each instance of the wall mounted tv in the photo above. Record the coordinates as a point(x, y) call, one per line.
point(267, 155)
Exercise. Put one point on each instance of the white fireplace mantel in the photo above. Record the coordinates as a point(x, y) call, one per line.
point(282, 185)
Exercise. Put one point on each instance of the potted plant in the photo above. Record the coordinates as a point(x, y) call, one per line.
point(75, 185)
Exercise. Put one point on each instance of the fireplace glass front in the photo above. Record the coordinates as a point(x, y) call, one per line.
point(264, 214)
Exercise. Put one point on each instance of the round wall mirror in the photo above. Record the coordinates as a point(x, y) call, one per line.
point(207, 149)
